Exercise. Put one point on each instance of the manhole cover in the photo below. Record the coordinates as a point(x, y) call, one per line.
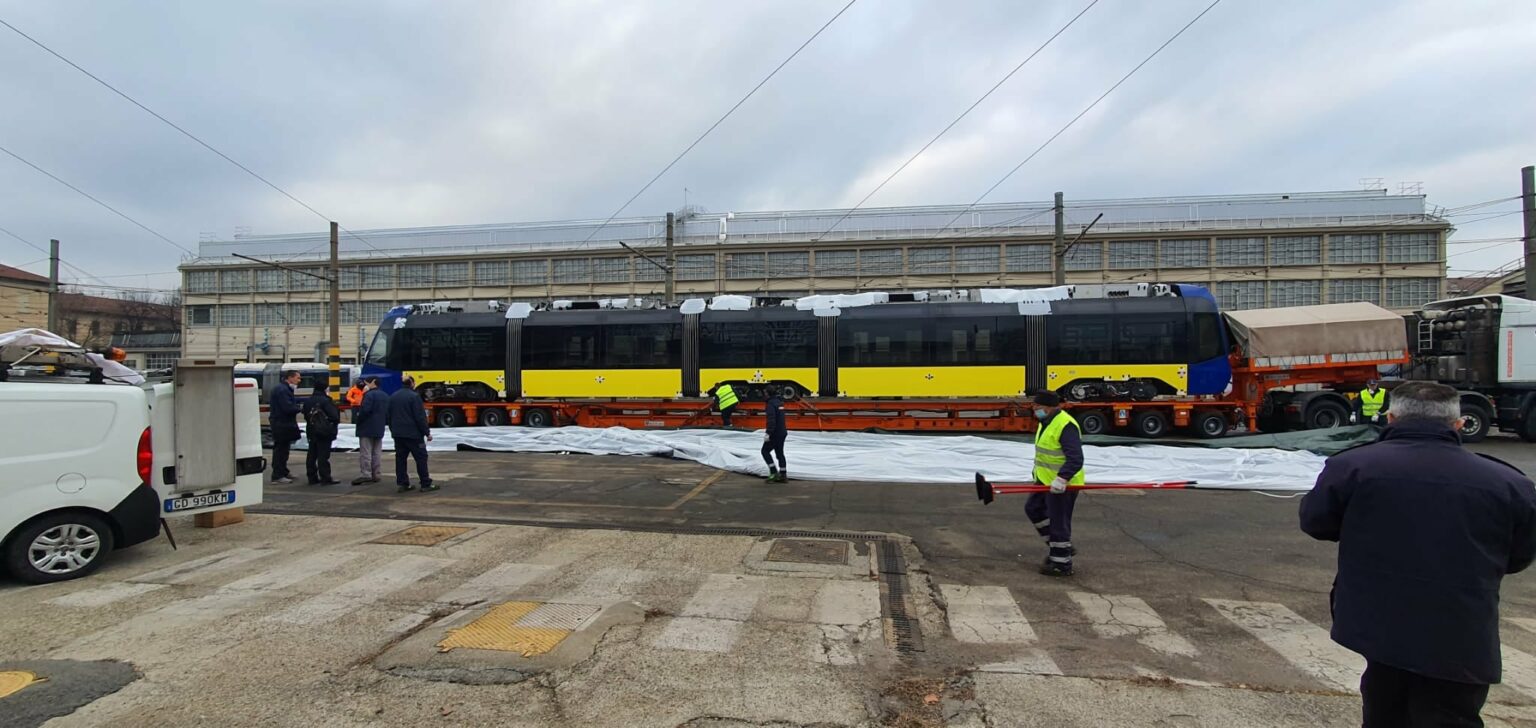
point(421, 535)
point(803, 551)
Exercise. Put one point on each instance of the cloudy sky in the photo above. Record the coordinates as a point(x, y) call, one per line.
point(389, 114)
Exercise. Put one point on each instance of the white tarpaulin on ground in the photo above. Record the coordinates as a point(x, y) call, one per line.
point(861, 456)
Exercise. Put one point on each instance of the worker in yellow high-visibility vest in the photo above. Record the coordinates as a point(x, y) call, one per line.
point(1371, 405)
point(1058, 464)
point(725, 399)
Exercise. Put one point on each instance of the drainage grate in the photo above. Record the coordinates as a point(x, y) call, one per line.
point(904, 631)
point(421, 535)
point(802, 551)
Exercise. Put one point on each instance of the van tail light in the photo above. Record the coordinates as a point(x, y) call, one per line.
point(146, 458)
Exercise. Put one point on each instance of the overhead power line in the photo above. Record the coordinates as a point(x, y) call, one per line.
point(718, 122)
point(952, 124)
point(1079, 116)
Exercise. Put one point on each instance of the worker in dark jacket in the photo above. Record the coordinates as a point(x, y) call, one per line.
point(283, 410)
point(321, 421)
point(407, 420)
point(1426, 532)
point(1059, 465)
point(368, 420)
point(774, 435)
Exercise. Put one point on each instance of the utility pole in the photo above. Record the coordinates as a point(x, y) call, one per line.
point(1059, 250)
point(333, 353)
point(671, 266)
point(1528, 208)
point(53, 285)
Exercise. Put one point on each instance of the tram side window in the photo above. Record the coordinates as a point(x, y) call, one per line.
point(561, 347)
point(881, 343)
point(788, 343)
point(1081, 340)
point(1207, 337)
point(728, 345)
point(450, 349)
point(641, 346)
point(961, 341)
point(1150, 339)
point(379, 351)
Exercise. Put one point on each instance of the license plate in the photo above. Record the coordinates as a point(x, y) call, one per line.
point(199, 501)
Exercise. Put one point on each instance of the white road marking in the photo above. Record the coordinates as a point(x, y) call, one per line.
point(361, 592)
point(712, 619)
point(1118, 615)
point(1525, 623)
point(986, 615)
point(1031, 662)
point(849, 603)
point(213, 563)
point(1303, 644)
point(607, 585)
point(497, 583)
point(105, 594)
point(1519, 671)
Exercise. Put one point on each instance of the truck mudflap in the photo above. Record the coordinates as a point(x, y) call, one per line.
point(137, 517)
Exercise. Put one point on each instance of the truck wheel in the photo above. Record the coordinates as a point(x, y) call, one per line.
point(1528, 426)
point(1150, 423)
point(1475, 423)
point(58, 547)
point(450, 417)
point(493, 417)
point(1092, 422)
point(1209, 424)
point(1325, 415)
point(537, 418)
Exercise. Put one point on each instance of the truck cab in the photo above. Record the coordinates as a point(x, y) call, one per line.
point(1485, 346)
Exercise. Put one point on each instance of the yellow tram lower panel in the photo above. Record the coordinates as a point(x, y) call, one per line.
point(493, 378)
point(807, 377)
point(935, 381)
point(1174, 375)
point(660, 383)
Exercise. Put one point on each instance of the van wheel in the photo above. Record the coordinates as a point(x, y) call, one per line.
point(493, 417)
point(450, 417)
point(1150, 423)
point(537, 418)
point(57, 547)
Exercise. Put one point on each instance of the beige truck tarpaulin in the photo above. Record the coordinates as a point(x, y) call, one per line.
point(1311, 334)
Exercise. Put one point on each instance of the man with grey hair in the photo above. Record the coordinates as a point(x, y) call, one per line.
point(1427, 530)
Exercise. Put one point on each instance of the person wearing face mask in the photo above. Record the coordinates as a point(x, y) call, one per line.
point(1058, 464)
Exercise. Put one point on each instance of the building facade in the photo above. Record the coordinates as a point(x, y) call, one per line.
point(1253, 250)
point(23, 299)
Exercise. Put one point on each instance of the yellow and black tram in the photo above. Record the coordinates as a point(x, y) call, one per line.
point(1103, 348)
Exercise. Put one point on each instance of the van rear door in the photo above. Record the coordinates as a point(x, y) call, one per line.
point(207, 440)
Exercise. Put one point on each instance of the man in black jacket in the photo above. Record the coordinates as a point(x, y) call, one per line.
point(773, 439)
point(282, 417)
point(321, 417)
point(407, 420)
point(1426, 532)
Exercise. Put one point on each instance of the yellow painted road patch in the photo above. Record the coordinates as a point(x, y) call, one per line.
point(527, 628)
point(14, 681)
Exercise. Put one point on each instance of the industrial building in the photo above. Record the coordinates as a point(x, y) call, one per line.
point(1252, 250)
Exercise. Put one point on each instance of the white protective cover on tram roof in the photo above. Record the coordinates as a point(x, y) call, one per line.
point(519, 310)
point(889, 458)
point(692, 307)
point(1031, 302)
point(730, 303)
point(842, 300)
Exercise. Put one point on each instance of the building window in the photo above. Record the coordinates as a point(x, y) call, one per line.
point(492, 273)
point(930, 261)
point(1239, 251)
point(1353, 248)
point(160, 360)
point(791, 265)
point(744, 265)
point(1413, 247)
point(271, 280)
point(376, 277)
point(232, 315)
point(202, 281)
point(647, 271)
point(1028, 258)
point(1296, 250)
point(696, 267)
point(573, 270)
point(350, 278)
point(1131, 255)
point(1411, 292)
point(311, 279)
point(880, 262)
point(977, 259)
point(271, 314)
point(1086, 256)
point(1238, 295)
point(1355, 289)
point(374, 311)
point(530, 272)
point(415, 275)
point(196, 316)
point(451, 275)
point(1283, 294)
point(235, 281)
point(305, 314)
point(610, 270)
point(835, 263)
point(1189, 253)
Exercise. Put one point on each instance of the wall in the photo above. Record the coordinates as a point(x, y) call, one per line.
point(22, 308)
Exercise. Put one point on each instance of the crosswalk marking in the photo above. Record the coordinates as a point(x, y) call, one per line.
point(103, 595)
point(1030, 662)
point(848, 603)
point(1118, 615)
point(361, 592)
point(712, 619)
point(986, 615)
point(1525, 623)
point(213, 563)
point(497, 582)
point(1304, 644)
point(606, 585)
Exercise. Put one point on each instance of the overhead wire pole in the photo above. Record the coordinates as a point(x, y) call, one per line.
point(333, 347)
point(1528, 239)
point(1059, 248)
point(671, 267)
point(53, 286)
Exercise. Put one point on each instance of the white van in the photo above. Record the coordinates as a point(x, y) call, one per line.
point(87, 468)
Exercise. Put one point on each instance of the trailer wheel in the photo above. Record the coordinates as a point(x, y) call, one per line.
point(493, 417)
point(1528, 426)
point(450, 417)
point(1092, 422)
point(1325, 415)
point(1476, 421)
point(537, 418)
point(1209, 424)
point(1150, 423)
